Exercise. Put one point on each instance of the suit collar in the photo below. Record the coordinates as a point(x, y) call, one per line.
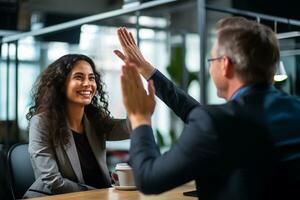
point(92, 138)
point(96, 147)
point(72, 154)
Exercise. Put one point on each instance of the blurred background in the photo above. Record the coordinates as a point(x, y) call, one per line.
point(176, 36)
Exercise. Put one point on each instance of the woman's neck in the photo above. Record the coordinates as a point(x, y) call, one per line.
point(74, 117)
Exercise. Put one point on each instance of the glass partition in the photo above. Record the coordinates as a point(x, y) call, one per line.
point(168, 35)
point(157, 31)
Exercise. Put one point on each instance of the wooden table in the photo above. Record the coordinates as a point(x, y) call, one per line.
point(113, 194)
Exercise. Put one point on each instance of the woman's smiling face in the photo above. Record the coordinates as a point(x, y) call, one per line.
point(80, 84)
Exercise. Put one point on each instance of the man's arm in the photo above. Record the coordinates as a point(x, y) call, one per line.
point(193, 156)
point(179, 101)
point(175, 98)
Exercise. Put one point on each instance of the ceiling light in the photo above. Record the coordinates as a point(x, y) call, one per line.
point(280, 74)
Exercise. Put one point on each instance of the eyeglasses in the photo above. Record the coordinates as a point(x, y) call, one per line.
point(219, 58)
point(214, 59)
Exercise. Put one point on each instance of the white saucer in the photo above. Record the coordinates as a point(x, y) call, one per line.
point(118, 187)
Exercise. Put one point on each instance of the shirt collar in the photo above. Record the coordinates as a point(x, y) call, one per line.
point(241, 91)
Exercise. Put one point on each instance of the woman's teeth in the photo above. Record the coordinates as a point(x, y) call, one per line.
point(85, 93)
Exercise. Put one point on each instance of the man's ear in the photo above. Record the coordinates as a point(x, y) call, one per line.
point(227, 68)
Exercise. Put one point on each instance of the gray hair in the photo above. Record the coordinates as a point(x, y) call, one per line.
point(251, 47)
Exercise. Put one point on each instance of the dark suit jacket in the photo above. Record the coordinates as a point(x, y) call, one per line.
point(233, 151)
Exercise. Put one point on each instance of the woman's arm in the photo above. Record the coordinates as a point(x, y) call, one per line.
point(120, 131)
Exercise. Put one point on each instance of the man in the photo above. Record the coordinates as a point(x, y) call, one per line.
point(244, 149)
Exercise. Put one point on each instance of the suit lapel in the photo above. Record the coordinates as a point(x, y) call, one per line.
point(71, 151)
point(97, 147)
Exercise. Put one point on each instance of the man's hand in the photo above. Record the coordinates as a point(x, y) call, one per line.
point(132, 53)
point(139, 105)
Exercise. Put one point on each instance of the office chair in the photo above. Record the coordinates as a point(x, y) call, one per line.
point(20, 170)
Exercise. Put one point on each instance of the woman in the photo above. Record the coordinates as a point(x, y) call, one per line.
point(69, 124)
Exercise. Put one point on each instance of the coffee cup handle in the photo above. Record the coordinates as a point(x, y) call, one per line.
point(115, 178)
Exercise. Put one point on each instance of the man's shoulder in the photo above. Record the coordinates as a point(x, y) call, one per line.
point(213, 111)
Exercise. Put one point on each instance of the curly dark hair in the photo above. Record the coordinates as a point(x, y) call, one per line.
point(49, 98)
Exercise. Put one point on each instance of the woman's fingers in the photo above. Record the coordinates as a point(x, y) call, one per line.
point(120, 36)
point(120, 55)
point(124, 36)
point(132, 38)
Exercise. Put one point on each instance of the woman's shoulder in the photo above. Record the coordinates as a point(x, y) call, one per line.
point(38, 117)
point(39, 120)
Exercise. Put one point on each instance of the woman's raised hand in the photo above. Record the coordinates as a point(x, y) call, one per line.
point(132, 53)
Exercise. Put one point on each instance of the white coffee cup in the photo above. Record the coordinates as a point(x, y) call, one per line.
point(125, 175)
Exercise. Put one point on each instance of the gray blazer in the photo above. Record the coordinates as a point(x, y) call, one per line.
point(57, 168)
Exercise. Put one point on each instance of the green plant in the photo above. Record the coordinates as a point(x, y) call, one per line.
point(175, 68)
point(160, 139)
